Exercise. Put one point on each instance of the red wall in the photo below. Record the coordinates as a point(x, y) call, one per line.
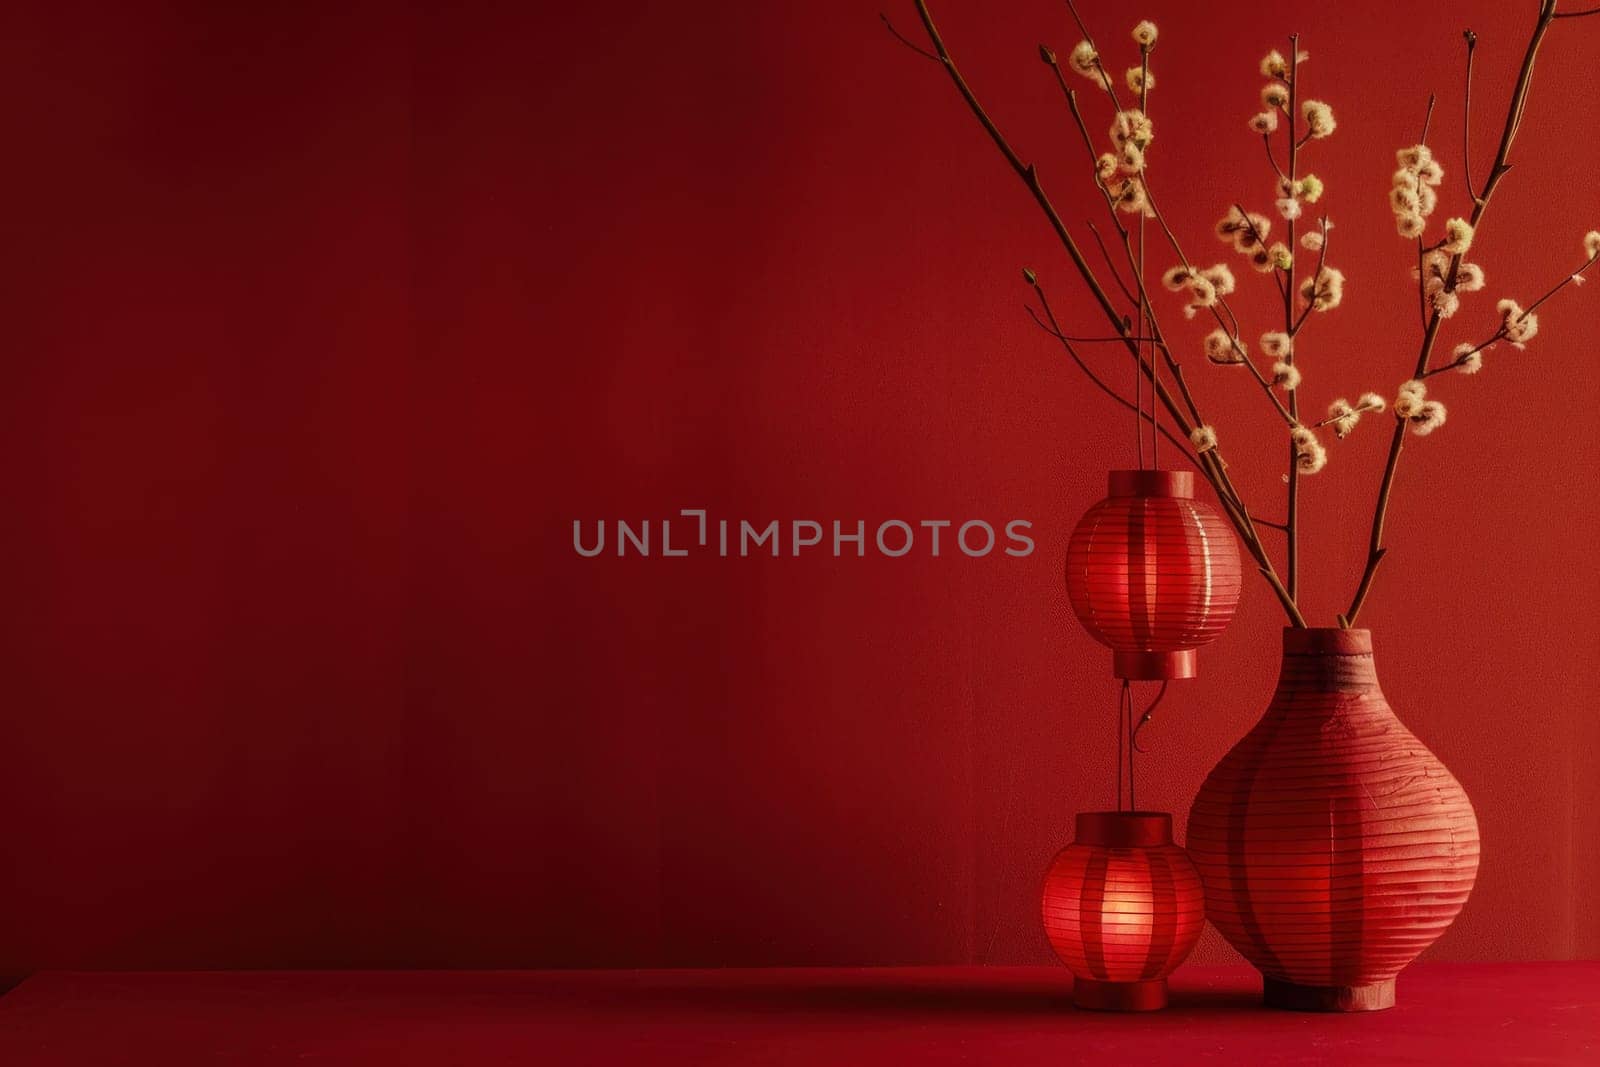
point(323, 324)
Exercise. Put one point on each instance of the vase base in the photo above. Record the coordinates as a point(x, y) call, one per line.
point(1119, 996)
point(1276, 993)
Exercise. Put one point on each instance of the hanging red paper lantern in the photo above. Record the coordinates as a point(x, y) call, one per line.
point(1153, 573)
point(1333, 845)
point(1123, 906)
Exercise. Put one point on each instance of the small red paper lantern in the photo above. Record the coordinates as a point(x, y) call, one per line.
point(1153, 573)
point(1123, 906)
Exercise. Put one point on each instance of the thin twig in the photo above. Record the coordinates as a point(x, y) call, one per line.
point(1505, 327)
point(1105, 253)
point(923, 52)
point(1466, 121)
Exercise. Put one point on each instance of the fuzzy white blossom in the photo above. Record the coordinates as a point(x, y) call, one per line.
point(1469, 278)
point(1457, 236)
point(1342, 417)
point(1221, 348)
point(1468, 359)
point(1245, 230)
point(1446, 304)
point(1203, 294)
point(1176, 278)
point(1145, 33)
point(1430, 173)
point(1130, 158)
point(1435, 265)
point(1286, 375)
point(1139, 80)
point(1204, 438)
point(1519, 326)
point(1275, 96)
point(1289, 207)
point(1310, 456)
point(1265, 122)
point(1130, 197)
point(1311, 242)
point(1132, 125)
point(1085, 60)
point(1591, 244)
point(1415, 157)
point(1409, 399)
point(1220, 276)
point(1325, 291)
point(1319, 118)
point(1282, 257)
point(1309, 188)
point(1411, 194)
point(1105, 167)
point(1370, 402)
point(1273, 65)
point(1277, 344)
point(1429, 417)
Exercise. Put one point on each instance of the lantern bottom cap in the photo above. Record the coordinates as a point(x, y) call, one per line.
point(1153, 666)
point(1276, 993)
point(1096, 995)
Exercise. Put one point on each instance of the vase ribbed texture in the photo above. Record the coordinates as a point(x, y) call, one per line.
point(1334, 847)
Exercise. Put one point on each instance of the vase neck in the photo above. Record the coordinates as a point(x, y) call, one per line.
point(1327, 659)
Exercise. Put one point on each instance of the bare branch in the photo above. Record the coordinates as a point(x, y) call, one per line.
point(1466, 123)
point(923, 52)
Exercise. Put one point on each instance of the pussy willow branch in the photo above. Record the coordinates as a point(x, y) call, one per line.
point(1292, 557)
point(1505, 327)
point(1519, 98)
point(1231, 498)
point(1071, 98)
point(1211, 463)
point(1147, 309)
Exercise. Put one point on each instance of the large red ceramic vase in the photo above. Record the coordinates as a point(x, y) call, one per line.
point(1334, 847)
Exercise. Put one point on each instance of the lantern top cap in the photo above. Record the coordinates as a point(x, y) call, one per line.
point(1124, 829)
point(1326, 641)
point(1179, 484)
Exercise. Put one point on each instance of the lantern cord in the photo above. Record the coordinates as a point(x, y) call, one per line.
point(1148, 712)
point(1122, 698)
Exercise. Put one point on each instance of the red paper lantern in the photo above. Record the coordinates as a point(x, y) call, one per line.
point(1153, 573)
point(1333, 845)
point(1123, 906)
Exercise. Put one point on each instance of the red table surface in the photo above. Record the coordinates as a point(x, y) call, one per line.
point(1448, 1013)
